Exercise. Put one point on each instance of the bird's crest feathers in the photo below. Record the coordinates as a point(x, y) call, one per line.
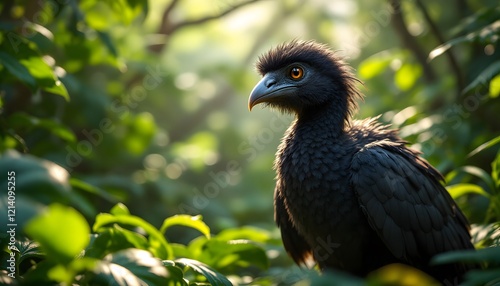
point(320, 57)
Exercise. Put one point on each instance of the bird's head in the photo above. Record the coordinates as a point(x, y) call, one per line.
point(303, 77)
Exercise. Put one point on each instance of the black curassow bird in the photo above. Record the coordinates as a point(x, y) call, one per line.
point(350, 193)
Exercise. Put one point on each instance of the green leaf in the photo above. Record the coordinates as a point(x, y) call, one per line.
point(22, 120)
point(484, 34)
point(61, 231)
point(235, 253)
point(17, 69)
point(58, 88)
point(176, 273)
point(399, 274)
point(43, 181)
point(115, 238)
point(482, 277)
point(459, 190)
point(213, 277)
point(158, 245)
point(195, 222)
point(108, 42)
point(251, 233)
point(495, 172)
point(475, 171)
point(483, 78)
point(407, 75)
point(130, 267)
point(484, 146)
point(489, 254)
point(142, 128)
point(91, 189)
point(25, 53)
point(119, 209)
point(28, 249)
point(495, 87)
point(375, 64)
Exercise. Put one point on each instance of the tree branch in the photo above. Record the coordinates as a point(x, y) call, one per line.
point(167, 27)
point(186, 23)
point(165, 20)
point(409, 41)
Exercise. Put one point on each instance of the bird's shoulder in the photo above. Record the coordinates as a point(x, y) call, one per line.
point(370, 130)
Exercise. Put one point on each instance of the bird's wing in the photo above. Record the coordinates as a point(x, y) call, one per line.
point(294, 243)
point(405, 203)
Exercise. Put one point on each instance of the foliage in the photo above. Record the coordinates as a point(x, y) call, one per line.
point(126, 250)
point(143, 103)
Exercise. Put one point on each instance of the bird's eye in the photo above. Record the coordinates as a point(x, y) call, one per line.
point(296, 73)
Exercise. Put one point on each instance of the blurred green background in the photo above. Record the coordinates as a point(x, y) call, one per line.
point(145, 102)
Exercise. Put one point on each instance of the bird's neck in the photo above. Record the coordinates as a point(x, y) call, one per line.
point(327, 120)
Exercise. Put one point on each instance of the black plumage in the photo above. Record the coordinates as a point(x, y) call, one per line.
point(349, 193)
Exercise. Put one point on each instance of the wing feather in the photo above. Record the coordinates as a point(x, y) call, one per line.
point(294, 243)
point(405, 203)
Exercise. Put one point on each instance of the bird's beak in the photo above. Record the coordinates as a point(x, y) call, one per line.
point(268, 90)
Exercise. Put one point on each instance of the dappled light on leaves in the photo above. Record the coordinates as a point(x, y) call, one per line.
point(61, 231)
point(403, 275)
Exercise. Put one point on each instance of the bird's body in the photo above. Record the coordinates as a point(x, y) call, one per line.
point(313, 196)
point(350, 193)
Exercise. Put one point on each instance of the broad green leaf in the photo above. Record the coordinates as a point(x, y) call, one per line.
point(115, 238)
point(119, 209)
point(58, 88)
point(61, 231)
point(407, 75)
point(375, 65)
point(17, 69)
point(195, 222)
point(28, 249)
point(25, 53)
point(482, 277)
point(43, 182)
point(196, 248)
point(484, 77)
point(130, 267)
point(490, 254)
point(36, 177)
point(181, 250)
point(234, 254)
point(475, 171)
point(158, 244)
point(213, 276)
point(484, 146)
point(459, 190)
point(495, 87)
point(247, 232)
point(176, 274)
point(400, 274)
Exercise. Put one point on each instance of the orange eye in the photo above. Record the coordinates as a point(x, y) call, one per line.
point(296, 73)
